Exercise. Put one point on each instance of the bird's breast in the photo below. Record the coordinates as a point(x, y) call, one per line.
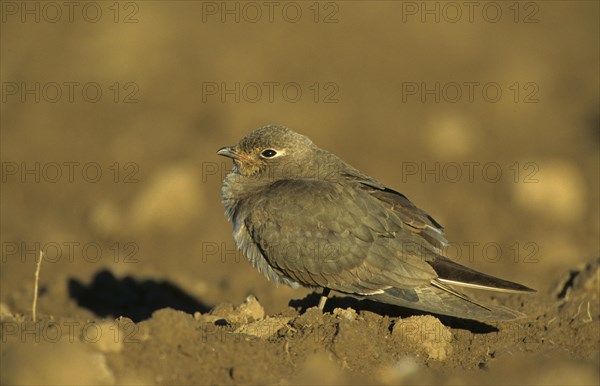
point(237, 208)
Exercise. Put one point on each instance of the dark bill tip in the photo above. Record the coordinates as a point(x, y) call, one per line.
point(227, 151)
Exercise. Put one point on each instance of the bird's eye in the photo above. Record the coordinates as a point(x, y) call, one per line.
point(269, 153)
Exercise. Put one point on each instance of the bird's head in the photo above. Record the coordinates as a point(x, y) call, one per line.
point(273, 151)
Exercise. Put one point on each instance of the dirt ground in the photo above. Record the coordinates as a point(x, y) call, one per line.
point(486, 117)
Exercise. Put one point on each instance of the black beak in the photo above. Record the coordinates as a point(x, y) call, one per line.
point(228, 151)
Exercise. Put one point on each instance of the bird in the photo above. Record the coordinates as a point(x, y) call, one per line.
point(305, 218)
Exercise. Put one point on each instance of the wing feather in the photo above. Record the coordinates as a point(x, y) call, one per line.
point(333, 231)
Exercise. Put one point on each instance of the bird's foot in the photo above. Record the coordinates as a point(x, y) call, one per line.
point(323, 299)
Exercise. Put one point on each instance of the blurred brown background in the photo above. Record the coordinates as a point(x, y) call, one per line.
point(168, 72)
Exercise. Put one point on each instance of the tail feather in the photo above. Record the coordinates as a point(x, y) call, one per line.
point(442, 286)
point(453, 273)
point(441, 299)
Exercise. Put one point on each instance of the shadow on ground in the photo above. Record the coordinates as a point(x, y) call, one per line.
point(382, 309)
point(107, 296)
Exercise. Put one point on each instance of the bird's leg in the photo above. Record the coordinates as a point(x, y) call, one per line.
point(323, 299)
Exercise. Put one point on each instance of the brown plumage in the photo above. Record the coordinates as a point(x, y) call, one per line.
point(302, 216)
